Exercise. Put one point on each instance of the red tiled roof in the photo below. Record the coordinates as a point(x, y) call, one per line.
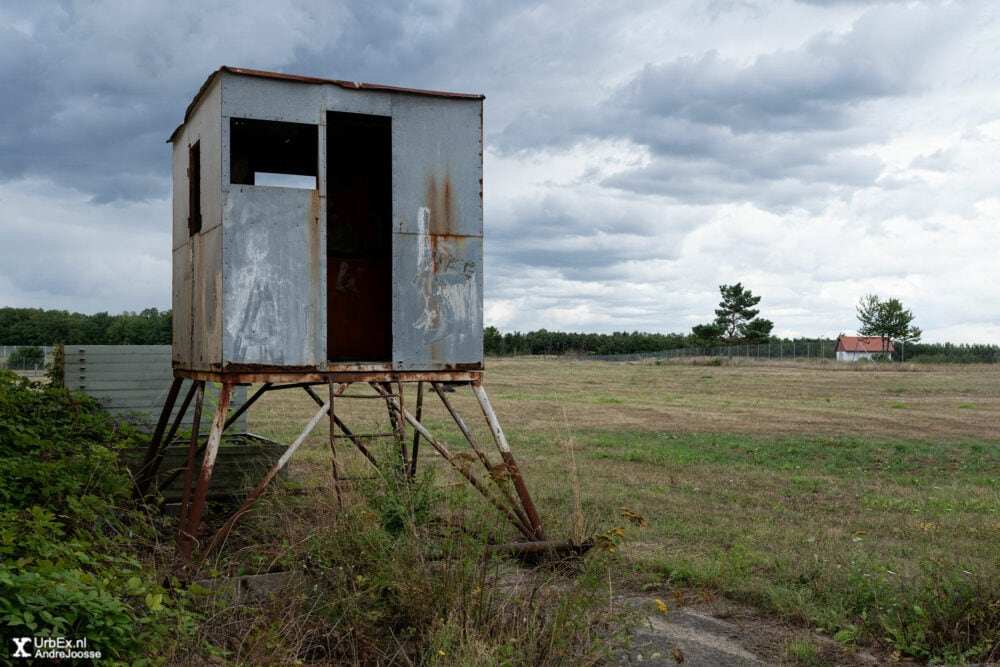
point(862, 344)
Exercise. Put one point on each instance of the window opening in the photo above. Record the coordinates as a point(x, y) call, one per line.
point(194, 188)
point(271, 152)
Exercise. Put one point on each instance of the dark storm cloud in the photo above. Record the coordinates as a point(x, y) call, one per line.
point(93, 121)
point(665, 144)
point(95, 89)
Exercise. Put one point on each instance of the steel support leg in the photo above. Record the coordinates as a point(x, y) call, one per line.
point(411, 469)
point(462, 469)
point(332, 411)
point(271, 474)
point(207, 466)
point(185, 537)
point(148, 471)
point(508, 459)
point(479, 452)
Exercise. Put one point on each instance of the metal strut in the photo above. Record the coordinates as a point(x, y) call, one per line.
point(508, 492)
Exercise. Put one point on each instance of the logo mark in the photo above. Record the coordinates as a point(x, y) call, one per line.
point(20, 651)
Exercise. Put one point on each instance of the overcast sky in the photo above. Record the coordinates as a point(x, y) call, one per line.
point(638, 154)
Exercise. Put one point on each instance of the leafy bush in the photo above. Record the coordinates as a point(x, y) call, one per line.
point(56, 445)
point(67, 534)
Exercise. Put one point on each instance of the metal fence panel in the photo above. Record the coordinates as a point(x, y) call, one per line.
point(132, 381)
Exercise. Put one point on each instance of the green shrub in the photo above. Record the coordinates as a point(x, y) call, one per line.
point(68, 536)
point(56, 445)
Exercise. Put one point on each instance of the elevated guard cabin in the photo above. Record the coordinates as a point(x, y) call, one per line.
point(326, 225)
point(329, 235)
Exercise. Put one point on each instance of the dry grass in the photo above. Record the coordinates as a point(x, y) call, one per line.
point(548, 405)
point(940, 402)
point(827, 493)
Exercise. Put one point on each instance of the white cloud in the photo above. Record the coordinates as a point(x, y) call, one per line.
point(635, 160)
point(61, 251)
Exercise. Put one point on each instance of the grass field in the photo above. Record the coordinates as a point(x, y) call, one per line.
point(864, 501)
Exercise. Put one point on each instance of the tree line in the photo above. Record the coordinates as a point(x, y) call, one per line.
point(34, 326)
point(544, 341)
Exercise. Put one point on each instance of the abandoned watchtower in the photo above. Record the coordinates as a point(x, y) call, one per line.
point(329, 233)
point(327, 225)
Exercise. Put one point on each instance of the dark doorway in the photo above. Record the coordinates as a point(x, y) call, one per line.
point(359, 237)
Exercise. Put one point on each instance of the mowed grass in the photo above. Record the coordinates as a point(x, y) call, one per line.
point(864, 501)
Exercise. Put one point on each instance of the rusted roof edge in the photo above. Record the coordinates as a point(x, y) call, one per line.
point(354, 85)
point(350, 85)
point(194, 103)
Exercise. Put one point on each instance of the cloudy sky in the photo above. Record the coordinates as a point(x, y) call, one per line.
point(638, 155)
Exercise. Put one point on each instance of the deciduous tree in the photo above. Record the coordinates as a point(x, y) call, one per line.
point(886, 319)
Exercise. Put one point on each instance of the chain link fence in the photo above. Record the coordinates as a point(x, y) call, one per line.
point(788, 350)
point(817, 350)
point(29, 360)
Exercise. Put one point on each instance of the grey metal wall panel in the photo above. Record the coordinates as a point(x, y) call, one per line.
point(271, 99)
point(376, 103)
point(274, 272)
point(437, 158)
point(437, 233)
point(132, 382)
point(208, 288)
point(183, 309)
point(437, 302)
point(197, 259)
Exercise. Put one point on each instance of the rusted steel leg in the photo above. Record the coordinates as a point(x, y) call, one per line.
point(169, 439)
point(178, 420)
point(462, 469)
point(228, 526)
point(208, 463)
point(479, 451)
point(169, 479)
point(508, 458)
point(185, 536)
point(147, 471)
point(411, 469)
point(398, 425)
point(333, 439)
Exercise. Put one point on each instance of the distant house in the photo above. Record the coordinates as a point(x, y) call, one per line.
point(854, 348)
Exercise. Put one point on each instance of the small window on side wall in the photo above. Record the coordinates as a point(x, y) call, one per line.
point(194, 188)
point(271, 152)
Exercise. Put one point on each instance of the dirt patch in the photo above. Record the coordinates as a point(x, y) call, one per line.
point(723, 633)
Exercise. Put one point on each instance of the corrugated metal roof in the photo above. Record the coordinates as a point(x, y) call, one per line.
point(351, 85)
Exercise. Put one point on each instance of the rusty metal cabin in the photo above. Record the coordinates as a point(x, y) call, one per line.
point(324, 225)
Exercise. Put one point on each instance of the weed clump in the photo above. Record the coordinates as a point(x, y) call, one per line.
point(400, 571)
